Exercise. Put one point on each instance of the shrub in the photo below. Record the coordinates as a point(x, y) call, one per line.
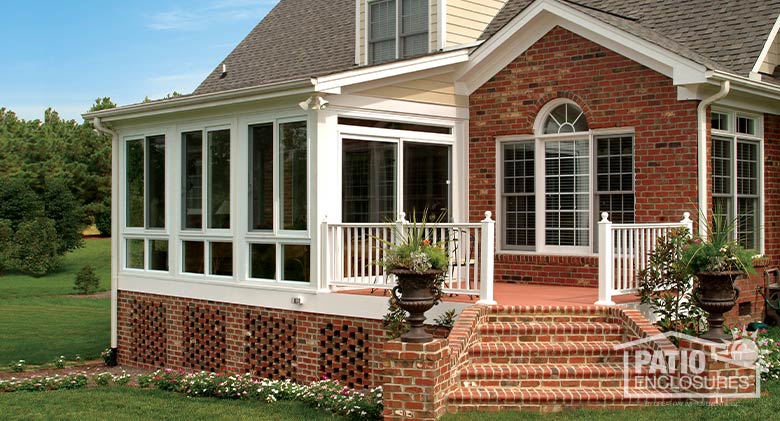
point(38, 383)
point(18, 202)
point(394, 321)
point(36, 247)
point(447, 319)
point(667, 286)
point(61, 206)
point(6, 245)
point(18, 366)
point(103, 218)
point(59, 362)
point(86, 281)
point(768, 351)
point(102, 379)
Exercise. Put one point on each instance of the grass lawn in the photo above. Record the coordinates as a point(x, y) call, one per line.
point(39, 322)
point(120, 403)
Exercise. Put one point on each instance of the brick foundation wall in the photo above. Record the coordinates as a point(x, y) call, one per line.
point(772, 187)
point(164, 331)
point(613, 91)
point(753, 304)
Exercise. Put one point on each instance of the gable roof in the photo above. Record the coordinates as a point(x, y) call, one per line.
point(298, 39)
point(722, 35)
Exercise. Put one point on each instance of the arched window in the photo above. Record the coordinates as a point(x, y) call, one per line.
point(565, 118)
point(555, 182)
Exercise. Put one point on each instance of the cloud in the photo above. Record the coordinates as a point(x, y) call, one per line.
point(197, 19)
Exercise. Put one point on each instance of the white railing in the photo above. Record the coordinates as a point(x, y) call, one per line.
point(623, 253)
point(352, 252)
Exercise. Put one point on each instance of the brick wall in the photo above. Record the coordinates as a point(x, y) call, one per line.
point(772, 187)
point(613, 91)
point(164, 331)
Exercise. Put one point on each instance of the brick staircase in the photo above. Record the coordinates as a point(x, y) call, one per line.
point(546, 359)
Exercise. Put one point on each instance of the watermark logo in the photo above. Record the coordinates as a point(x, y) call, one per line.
point(696, 369)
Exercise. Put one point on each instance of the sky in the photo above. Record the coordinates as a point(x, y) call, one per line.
point(66, 53)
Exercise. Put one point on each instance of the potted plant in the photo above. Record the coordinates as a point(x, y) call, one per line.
point(716, 262)
point(419, 266)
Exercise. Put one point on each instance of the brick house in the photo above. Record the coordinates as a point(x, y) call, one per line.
point(240, 207)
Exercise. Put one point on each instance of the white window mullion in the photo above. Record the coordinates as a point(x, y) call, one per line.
point(539, 186)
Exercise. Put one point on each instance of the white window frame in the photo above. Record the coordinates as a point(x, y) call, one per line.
point(277, 236)
point(143, 233)
point(735, 138)
point(399, 137)
point(205, 234)
point(539, 140)
point(367, 29)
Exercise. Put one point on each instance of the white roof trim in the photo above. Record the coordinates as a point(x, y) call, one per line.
point(541, 16)
point(767, 46)
point(193, 102)
point(333, 83)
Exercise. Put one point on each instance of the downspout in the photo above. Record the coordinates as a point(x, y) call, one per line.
point(725, 87)
point(114, 230)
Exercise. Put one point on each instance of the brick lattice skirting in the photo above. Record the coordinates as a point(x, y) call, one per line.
point(163, 331)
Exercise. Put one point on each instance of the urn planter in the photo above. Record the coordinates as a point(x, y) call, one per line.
point(717, 294)
point(416, 293)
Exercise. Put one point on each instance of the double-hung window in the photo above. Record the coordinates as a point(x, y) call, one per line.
point(736, 170)
point(146, 241)
point(279, 245)
point(207, 246)
point(397, 29)
point(553, 184)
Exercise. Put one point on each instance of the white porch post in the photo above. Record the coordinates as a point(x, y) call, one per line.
point(325, 244)
point(687, 222)
point(487, 260)
point(606, 262)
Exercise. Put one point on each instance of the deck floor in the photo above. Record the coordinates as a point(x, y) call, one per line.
point(526, 295)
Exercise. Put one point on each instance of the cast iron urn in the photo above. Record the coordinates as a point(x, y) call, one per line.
point(416, 293)
point(717, 294)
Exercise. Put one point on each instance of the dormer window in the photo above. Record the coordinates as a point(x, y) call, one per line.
point(397, 29)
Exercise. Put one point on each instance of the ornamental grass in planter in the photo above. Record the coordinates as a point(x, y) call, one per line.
point(717, 261)
point(419, 265)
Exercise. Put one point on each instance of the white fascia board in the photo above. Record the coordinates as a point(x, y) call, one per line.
point(767, 46)
point(268, 296)
point(543, 15)
point(195, 102)
point(328, 84)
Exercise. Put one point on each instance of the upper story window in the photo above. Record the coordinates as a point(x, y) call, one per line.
point(397, 29)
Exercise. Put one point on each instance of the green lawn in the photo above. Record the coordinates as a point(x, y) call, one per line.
point(39, 322)
point(119, 403)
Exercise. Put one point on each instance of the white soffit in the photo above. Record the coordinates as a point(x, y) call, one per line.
point(540, 17)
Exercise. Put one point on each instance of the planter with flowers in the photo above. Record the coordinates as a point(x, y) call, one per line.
point(716, 262)
point(418, 265)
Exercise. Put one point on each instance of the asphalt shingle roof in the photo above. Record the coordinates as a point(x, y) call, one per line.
point(309, 38)
point(720, 34)
point(297, 39)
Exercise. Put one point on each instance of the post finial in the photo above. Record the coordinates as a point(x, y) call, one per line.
point(402, 217)
point(488, 216)
point(686, 216)
point(604, 217)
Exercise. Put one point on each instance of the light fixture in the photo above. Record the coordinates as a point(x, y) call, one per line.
point(314, 102)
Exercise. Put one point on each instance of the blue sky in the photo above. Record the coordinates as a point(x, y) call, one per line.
point(64, 54)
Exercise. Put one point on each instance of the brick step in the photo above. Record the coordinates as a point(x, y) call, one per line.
point(547, 375)
point(550, 332)
point(562, 314)
point(551, 318)
point(507, 398)
point(545, 353)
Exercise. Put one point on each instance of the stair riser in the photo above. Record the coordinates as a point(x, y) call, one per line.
point(545, 359)
point(560, 338)
point(548, 407)
point(551, 318)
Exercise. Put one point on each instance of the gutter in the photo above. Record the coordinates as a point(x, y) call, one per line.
point(725, 87)
point(190, 102)
point(98, 124)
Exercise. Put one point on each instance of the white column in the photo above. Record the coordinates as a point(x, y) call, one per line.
point(606, 262)
point(487, 257)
